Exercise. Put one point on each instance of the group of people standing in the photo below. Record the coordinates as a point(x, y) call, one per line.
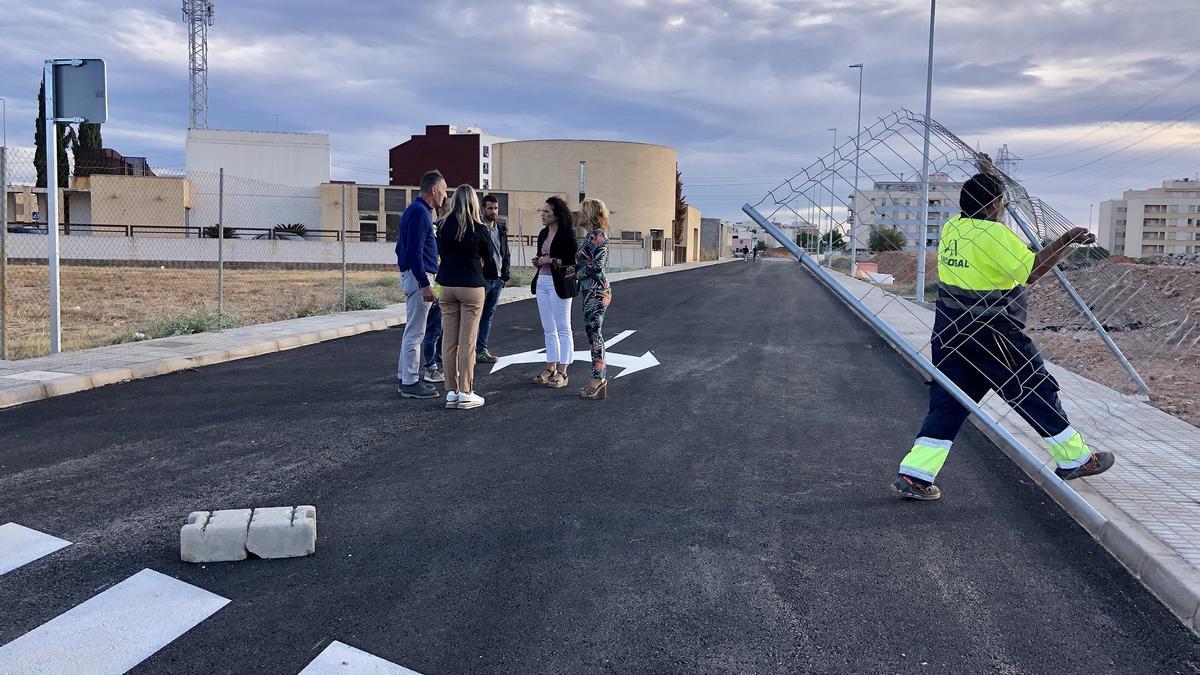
point(466, 251)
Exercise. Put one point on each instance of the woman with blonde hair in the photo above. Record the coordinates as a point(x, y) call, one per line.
point(462, 243)
point(590, 261)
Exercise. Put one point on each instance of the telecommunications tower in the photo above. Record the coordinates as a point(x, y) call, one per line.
point(198, 15)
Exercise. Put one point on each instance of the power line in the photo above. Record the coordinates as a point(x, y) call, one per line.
point(1041, 156)
point(1189, 114)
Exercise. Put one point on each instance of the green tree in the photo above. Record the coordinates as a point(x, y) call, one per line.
point(680, 224)
point(760, 246)
point(89, 140)
point(39, 142)
point(886, 239)
point(820, 242)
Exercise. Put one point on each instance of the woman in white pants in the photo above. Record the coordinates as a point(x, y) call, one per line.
point(556, 247)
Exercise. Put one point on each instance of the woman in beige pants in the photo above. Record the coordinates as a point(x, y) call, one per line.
point(463, 242)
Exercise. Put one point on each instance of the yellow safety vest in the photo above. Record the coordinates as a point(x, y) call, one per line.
point(982, 255)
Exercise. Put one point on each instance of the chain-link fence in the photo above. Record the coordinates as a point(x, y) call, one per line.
point(1130, 326)
point(1088, 304)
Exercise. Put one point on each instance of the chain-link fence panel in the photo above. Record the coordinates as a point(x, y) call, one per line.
point(1012, 286)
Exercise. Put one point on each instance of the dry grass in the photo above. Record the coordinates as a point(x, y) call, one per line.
point(107, 305)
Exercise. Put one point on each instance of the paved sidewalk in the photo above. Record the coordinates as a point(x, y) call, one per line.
point(69, 372)
point(1152, 495)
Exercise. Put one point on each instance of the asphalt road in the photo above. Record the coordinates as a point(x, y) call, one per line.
point(726, 511)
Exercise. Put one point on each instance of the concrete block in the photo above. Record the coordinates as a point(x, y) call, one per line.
point(104, 378)
point(289, 342)
point(214, 536)
point(327, 334)
point(26, 393)
point(1176, 583)
point(61, 386)
point(312, 338)
point(283, 532)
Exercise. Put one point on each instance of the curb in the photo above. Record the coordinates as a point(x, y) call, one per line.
point(1170, 578)
point(38, 391)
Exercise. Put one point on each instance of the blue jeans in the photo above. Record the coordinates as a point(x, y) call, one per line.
point(491, 297)
point(431, 346)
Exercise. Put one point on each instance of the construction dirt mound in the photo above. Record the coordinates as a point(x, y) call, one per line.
point(902, 265)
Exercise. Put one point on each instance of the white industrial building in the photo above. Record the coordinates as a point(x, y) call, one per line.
point(277, 175)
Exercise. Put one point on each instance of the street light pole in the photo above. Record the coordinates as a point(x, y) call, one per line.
point(832, 199)
point(923, 226)
point(3, 228)
point(854, 191)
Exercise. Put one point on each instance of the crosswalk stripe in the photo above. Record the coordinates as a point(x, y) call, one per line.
point(342, 659)
point(20, 545)
point(113, 631)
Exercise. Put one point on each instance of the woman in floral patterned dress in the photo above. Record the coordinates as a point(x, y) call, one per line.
point(590, 261)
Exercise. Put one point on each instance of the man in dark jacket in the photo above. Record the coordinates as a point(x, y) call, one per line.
point(417, 258)
point(495, 275)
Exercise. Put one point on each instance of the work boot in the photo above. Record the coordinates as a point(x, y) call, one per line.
point(911, 488)
point(1098, 464)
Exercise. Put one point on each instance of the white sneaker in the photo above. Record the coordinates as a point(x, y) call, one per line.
point(468, 401)
point(452, 399)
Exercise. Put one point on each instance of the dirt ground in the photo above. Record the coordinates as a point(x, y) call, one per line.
point(109, 305)
point(106, 305)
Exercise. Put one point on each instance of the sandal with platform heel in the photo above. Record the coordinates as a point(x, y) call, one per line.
point(595, 393)
point(544, 376)
point(558, 380)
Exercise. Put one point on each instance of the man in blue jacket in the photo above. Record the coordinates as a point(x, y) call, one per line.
point(417, 257)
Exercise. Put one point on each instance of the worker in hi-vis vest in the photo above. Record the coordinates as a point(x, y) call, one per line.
point(980, 344)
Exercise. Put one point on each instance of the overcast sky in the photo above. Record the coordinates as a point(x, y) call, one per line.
point(744, 89)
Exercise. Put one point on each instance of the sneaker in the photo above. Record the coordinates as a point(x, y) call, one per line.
point(1098, 464)
point(452, 399)
point(434, 375)
point(485, 357)
point(416, 390)
point(910, 489)
point(468, 401)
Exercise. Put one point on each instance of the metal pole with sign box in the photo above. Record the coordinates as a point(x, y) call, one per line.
point(76, 92)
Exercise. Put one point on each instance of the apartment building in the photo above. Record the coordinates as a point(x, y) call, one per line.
point(1153, 222)
point(897, 205)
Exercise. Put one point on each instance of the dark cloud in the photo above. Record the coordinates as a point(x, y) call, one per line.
point(743, 88)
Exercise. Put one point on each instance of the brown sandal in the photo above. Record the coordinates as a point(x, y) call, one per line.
point(595, 393)
point(544, 376)
point(558, 380)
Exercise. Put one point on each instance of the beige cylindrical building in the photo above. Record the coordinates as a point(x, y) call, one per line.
point(635, 180)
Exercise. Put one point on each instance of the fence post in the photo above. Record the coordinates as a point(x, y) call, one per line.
point(343, 237)
point(3, 253)
point(220, 241)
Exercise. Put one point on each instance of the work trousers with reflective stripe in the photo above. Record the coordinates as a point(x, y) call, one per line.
point(980, 359)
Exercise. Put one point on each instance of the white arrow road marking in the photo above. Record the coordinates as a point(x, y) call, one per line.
point(114, 631)
point(630, 364)
point(614, 340)
point(502, 362)
point(20, 545)
point(342, 658)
